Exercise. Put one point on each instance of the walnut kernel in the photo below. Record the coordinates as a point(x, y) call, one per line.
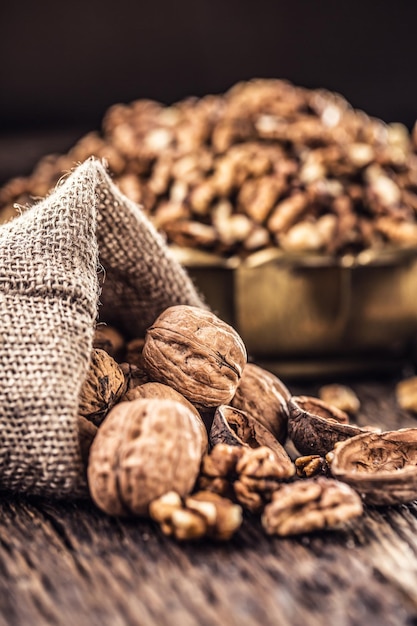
point(309, 505)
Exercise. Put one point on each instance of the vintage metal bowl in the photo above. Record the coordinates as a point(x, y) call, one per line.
point(314, 314)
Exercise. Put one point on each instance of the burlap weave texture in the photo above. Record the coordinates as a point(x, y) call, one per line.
point(142, 278)
point(49, 305)
point(48, 302)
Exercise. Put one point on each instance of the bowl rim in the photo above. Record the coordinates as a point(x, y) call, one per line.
point(387, 256)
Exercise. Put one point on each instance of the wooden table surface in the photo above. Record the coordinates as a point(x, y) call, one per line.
point(67, 563)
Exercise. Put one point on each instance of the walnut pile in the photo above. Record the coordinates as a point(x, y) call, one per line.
point(193, 436)
point(152, 442)
point(265, 164)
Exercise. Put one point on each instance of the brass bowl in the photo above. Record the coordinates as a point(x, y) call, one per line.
point(314, 314)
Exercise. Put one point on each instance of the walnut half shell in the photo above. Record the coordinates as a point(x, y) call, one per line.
point(237, 428)
point(382, 467)
point(264, 396)
point(315, 426)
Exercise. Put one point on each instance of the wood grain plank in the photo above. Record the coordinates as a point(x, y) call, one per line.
point(63, 563)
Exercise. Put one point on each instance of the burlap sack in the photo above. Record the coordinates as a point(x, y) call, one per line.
point(141, 278)
point(48, 305)
point(49, 292)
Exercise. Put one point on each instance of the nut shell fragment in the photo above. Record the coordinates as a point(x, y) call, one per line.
point(315, 426)
point(237, 428)
point(143, 449)
point(264, 396)
point(196, 353)
point(382, 467)
point(309, 505)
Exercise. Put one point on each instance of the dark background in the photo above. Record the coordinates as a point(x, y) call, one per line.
point(62, 65)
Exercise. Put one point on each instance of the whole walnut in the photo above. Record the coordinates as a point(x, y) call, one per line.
point(196, 353)
point(104, 386)
point(264, 396)
point(143, 449)
point(163, 392)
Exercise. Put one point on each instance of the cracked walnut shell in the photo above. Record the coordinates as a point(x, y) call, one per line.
point(236, 428)
point(196, 353)
point(380, 466)
point(143, 449)
point(263, 396)
point(315, 426)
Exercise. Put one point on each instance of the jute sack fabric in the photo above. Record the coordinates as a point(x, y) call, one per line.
point(49, 305)
point(141, 277)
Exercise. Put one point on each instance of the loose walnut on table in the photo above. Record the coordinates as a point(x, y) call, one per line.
point(143, 449)
point(203, 514)
point(309, 505)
